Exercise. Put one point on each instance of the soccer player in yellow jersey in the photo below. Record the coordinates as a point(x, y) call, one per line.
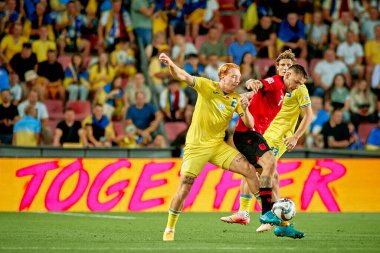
point(280, 136)
point(215, 106)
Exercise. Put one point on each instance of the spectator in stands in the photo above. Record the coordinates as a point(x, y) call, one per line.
point(159, 72)
point(248, 68)
point(212, 68)
point(351, 53)
point(41, 114)
point(138, 85)
point(76, 79)
point(281, 8)
point(101, 73)
point(213, 45)
point(51, 74)
point(193, 66)
point(12, 43)
point(325, 72)
point(339, 95)
point(159, 39)
point(372, 59)
point(41, 46)
point(69, 25)
point(69, 132)
point(320, 117)
point(316, 34)
point(373, 140)
point(362, 104)
point(292, 35)
point(115, 25)
point(340, 27)
point(15, 88)
point(264, 36)
point(158, 142)
point(141, 13)
point(123, 59)
point(182, 49)
point(8, 117)
point(145, 117)
point(333, 10)
point(4, 78)
point(31, 82)
point(173, 102)
point(211, 18)
point(355, 141)
point(10, 16)
point(26, 131)
point(41, 18)
point(114, 100)
point(99, 130)
point(237, 49)
point(335, 132)
point(23, 61)
point(367, 30)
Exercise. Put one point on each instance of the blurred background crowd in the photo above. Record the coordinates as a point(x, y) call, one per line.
point(86, 72)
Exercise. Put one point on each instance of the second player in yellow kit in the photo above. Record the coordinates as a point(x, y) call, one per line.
point(284, 125)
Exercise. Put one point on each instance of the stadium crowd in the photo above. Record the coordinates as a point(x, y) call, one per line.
point(71, 73)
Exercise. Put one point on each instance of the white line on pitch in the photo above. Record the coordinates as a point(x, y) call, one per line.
point(90, 215)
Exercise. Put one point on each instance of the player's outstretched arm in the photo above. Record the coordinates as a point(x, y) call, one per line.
point(175, 71)
point(307, 114)
point(246, 116)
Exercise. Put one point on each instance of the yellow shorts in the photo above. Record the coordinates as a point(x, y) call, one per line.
point(195, 158)
point(278, 146)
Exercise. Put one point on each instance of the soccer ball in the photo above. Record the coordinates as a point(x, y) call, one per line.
point(284, 209)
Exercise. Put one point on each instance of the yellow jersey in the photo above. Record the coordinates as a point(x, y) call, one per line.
point(213, 111)
point(40, 48)
point(285, 122)
point(372, 48)
point(12, 46)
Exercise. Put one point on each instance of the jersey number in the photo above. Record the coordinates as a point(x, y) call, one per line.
point(233, 104)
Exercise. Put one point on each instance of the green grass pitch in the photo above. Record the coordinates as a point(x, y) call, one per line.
point(195, 232)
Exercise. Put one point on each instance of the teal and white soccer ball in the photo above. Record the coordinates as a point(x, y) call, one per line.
point(284, 209)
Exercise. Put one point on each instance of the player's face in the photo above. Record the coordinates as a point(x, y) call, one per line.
point(293, 81)
point(231, 80)
point(283, 66)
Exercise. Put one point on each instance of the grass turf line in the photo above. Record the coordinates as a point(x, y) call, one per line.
point(195, 232)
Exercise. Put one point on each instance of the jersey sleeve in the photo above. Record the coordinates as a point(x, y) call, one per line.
point(303, 97)
point(203, 85)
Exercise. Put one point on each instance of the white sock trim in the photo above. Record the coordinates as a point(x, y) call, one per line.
point(169, 230)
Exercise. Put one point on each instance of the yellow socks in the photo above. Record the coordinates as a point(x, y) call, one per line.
point(172, 219)
point(245, 203)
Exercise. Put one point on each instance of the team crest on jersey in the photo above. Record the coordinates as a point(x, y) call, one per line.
point(221, 106)
point(215, 92)
point(269, 80)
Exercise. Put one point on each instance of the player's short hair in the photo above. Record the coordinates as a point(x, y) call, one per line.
point(287, 54)
point(226, 67)
point(300, 70)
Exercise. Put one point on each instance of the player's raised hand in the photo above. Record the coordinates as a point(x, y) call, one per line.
point(290, 142)
point(254, 85)
point(165, 59)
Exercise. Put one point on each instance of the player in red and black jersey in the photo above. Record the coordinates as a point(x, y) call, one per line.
point(264, 106)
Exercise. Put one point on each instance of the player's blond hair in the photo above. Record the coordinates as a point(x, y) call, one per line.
point(287, 54)
point(223, 70)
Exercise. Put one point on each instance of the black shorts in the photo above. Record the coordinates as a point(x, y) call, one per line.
point(252, 145)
